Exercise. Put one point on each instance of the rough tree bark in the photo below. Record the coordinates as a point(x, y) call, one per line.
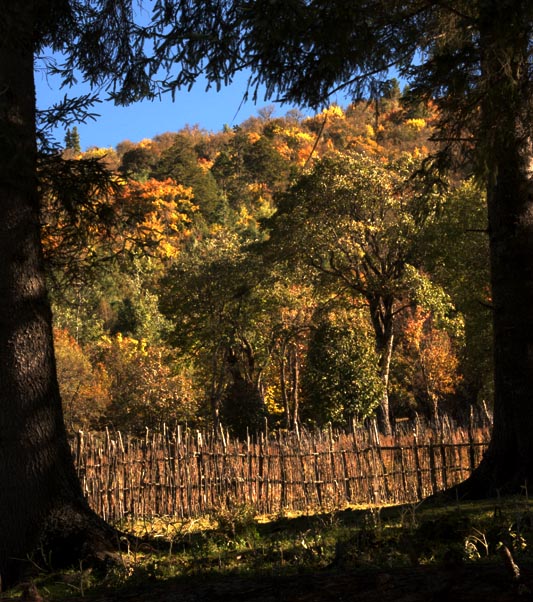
point(41, 502)
point(506, 128)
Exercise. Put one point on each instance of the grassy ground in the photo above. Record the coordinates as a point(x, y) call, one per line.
point(236, 546)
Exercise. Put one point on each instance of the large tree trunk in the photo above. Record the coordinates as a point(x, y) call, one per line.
point(508, 464)
point(41, 502)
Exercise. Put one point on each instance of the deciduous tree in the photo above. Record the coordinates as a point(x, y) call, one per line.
point(341, 380)
point(209, 297)
point(434, 361)
point(84, 388)
point(355, 220)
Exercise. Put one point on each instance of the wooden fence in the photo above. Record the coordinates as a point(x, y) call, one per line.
point(188, 473)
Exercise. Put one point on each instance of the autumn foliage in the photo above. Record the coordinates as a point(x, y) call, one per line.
point(266, 259)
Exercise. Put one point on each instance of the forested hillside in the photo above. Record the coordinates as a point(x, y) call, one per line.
point(289, 269)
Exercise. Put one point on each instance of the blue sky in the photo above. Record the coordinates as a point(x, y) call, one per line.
point(210, 110)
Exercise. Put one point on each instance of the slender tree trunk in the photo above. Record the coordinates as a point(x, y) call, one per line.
point(383, 321)
point(385, 357)
point(295, 388)
point(508, 464)
point(216, 385)
point(283, 380)
point(289, 370)
point(41, 502)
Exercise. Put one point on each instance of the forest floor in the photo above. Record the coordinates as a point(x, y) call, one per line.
point(479, 551)
point(475, 583)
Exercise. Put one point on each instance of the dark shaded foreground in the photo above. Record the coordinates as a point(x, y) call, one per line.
point(483, 582)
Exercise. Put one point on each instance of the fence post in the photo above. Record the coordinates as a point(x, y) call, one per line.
point(471, 442)
point(333, 464)
point(305, 481)
point(283, 475)
point(318, 482)
point(79, 452)
point(260, 471)
point(384, 471)
point(250, 451)
point(432, 468)
point(346, 477)
point(419, 485)
point(201, 471)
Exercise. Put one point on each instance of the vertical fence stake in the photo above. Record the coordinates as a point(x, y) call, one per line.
point(419, 485)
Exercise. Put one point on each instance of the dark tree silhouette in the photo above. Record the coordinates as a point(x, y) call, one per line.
point(41, 501)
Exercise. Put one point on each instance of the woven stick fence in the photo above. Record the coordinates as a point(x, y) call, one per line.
point(188, 473)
